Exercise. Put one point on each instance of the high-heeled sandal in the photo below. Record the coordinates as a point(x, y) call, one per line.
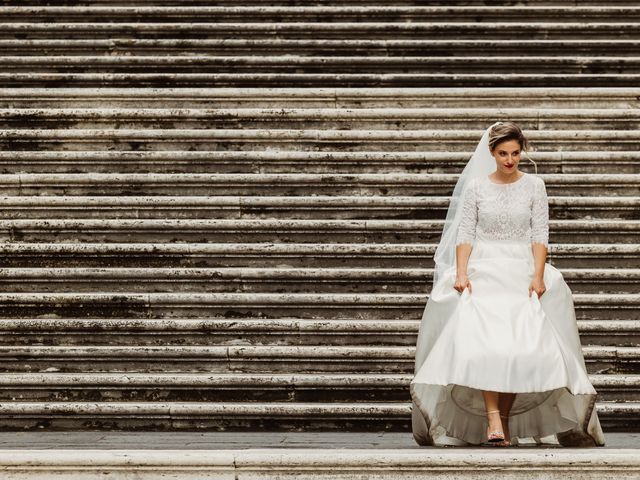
point(496, 435)
point(505, 442)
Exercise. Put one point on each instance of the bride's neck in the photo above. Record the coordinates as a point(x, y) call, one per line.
point(505, 178)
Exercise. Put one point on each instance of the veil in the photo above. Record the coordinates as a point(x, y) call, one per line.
point(481, 163)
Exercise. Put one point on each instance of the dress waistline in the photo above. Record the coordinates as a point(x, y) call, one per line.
point(517, 250)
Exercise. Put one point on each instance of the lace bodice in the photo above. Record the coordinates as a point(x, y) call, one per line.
point(517, 211)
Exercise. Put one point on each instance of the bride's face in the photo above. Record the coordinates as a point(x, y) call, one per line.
point(507, 155)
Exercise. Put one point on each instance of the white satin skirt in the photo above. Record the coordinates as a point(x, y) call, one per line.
point(501, 339)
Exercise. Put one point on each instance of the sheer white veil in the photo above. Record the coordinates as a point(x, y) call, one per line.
point(481, 163)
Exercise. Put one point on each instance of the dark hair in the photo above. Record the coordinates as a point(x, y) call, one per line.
point(506, 131)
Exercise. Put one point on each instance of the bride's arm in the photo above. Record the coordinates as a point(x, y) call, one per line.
point(463, 251)
point(466, 235)
point(540, 229)
point(540, 257)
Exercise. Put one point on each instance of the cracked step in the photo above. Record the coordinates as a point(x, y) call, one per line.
point(273, 280)
point(301, 140)
point(256, 332)
point(290, 161)
point(330, 118)
point(236, 184)
point(394, 306)
point(235, 387)
point(292, 207)
point(317, 13)
point(283, 255)
point(272, 415)
point(258, 359)
point(321, 97)
point(282, 230)
point(294, 79)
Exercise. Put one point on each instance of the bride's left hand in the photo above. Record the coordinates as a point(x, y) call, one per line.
point(537, 284)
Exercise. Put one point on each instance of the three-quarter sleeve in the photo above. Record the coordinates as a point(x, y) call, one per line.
point(540, 214)
point(469, 218)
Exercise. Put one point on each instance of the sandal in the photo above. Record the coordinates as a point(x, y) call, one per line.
point(505, 442)
point(496, 435)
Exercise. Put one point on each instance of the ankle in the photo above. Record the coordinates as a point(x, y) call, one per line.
point(493, 414)
point(493, 418)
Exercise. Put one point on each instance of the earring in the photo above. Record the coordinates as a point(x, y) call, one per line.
point(535, 166)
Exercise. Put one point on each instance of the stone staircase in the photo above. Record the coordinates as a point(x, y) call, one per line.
point(291, 43)
point(211, 219)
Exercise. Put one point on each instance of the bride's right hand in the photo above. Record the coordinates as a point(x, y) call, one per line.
point(462, 282)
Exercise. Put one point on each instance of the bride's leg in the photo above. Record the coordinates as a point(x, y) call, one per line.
point(505, 401)
point(491, 404)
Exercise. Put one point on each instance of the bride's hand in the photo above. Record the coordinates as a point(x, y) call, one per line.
point(462, 281)
point(537, 284)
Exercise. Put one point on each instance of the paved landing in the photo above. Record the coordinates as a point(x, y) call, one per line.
point(242, 440)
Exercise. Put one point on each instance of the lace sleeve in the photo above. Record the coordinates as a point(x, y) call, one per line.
point(469, 217)
point(540, 214)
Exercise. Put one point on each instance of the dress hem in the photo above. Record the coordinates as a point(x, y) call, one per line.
point(478, 387)
point(574, 429)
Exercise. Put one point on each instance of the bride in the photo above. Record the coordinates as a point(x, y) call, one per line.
point(498, 355)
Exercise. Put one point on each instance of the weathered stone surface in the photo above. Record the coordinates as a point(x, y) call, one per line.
point(319, 463)
point(173, 249)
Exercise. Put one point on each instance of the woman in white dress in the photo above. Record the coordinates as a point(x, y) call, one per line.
point(498, 355)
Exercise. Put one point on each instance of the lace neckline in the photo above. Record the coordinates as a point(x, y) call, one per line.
point(524, 174)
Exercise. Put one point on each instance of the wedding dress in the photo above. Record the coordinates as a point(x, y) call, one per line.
point(498, 337)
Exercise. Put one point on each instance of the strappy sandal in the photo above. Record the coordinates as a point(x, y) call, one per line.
point(496, 435)
point(505, 442)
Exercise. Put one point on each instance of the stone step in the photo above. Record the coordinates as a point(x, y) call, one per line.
point(211, 28)
point(296, 184)
point(311, 456)
point(282, 230)
point(588, 306)
point(281, 255)
point(296, 79)
point(316, 47)
point(253, 330)
point(544, 98)
point(358, 416)
point(256, 331)
point(301, 3)
point(291, 161)
point(316, 13)
point(257, 358)
point(274, 280)
point(209, 66)
point(239, 387)
point(319, 118)
point(286, 207)
point(209, 415)
point(302, 140)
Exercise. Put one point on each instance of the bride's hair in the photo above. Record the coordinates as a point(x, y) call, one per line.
point(505, 131)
